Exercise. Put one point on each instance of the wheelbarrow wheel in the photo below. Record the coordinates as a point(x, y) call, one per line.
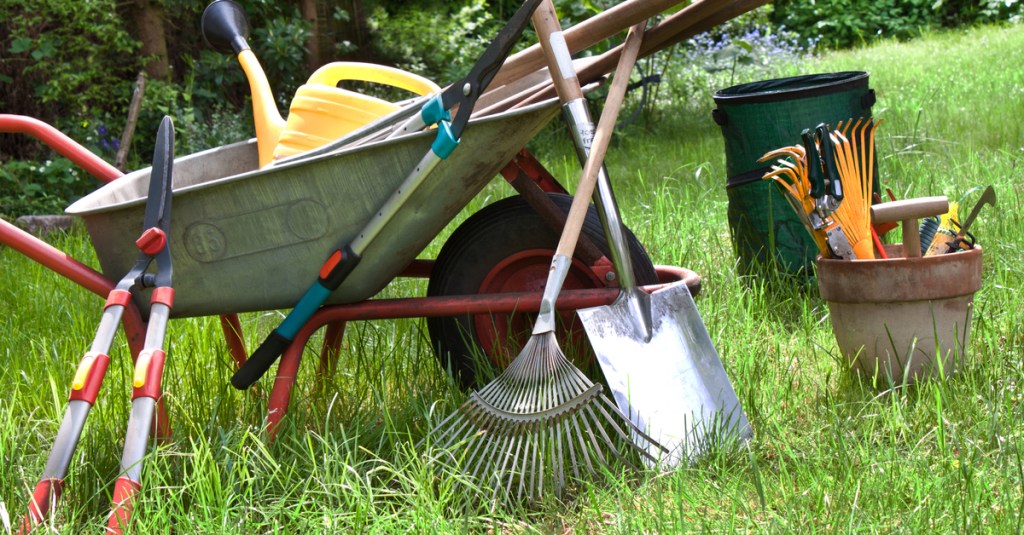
point(507, 247)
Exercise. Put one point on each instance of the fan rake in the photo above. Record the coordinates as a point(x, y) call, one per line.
point(520, 432)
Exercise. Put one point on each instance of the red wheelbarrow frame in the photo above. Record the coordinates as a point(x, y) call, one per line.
point(334, 317)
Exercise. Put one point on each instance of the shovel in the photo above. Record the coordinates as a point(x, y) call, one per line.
point(654, 350)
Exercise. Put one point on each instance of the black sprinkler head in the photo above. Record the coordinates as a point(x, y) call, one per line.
point(225, 27)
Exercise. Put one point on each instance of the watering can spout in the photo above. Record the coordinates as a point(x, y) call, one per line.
point(225, 29)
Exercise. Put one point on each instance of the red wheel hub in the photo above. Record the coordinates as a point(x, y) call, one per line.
point(501, 336)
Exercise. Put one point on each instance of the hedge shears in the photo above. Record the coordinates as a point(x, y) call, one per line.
point(149, 365)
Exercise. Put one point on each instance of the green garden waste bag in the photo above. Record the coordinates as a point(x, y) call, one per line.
point(762, 116)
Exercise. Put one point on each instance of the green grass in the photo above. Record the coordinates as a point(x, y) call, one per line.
point(830, 453)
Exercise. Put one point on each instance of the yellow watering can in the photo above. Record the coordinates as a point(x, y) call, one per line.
point(320, 111)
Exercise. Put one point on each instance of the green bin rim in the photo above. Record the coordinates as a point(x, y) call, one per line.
point(791, 88)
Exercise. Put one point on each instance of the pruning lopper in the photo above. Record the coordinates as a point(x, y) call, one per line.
point(826, 189)
point(153, 248)
point(344, 259)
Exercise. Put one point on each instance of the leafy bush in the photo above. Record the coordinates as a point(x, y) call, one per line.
point(62, 59)
point(439, 43)
point(847, 23)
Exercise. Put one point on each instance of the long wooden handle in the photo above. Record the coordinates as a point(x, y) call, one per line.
point(586, 34)
point(616, 94)
point(695, 18)
point(556, 51)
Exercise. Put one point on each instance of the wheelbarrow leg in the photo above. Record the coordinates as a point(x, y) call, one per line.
point(280, 396)
point(330, 350)
point(233, 337)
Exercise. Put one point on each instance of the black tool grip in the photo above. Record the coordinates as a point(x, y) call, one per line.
point(814, 173)
point(260, 361)
point(833, 184)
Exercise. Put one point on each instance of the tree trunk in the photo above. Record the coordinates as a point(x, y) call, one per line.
point(309, 12)
point(148, 19)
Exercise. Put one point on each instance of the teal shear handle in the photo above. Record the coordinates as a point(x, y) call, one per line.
point(334, 271)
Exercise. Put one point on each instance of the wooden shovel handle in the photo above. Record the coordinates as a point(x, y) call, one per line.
point(602, 136)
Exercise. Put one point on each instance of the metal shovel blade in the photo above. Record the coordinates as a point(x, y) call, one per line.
point(673, 385)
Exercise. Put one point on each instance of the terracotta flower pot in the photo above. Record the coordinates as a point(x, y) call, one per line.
point(897, 319)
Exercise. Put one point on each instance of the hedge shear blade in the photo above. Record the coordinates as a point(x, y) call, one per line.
point(88, 378)
point(345, 257)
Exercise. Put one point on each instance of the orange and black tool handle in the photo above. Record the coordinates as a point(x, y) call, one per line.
point(338, 266)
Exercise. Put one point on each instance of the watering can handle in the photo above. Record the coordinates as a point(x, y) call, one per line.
point(337, 71)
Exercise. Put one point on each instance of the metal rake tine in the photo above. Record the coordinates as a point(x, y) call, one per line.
point(512, 453)
point(640, 432)
point(593, 436)
point(454, 415)
point(472, 414)
point(537, 474)
point(561, 482)
point(618, 431)
point(484, 459)
point(582, 444)
point(554, 441)
point(566, 431)
point(482, 444)
point(447, 436)
point(527, 470)
point(535, 467)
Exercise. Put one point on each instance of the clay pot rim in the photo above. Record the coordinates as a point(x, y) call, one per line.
point(914, 278)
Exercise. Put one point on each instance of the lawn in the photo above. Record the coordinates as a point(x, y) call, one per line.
point(830, 452)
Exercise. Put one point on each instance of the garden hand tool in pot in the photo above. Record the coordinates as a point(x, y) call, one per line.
point(908, 211)
point(515, 428)
point(826, 189)
point(959, 242)
point(645, 343)
point(345, 257)
point(153, 247)
point(320, 111)
point(849, 166)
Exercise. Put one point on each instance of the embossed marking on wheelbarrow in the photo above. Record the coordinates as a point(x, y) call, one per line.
point(226, 237)
point(249, 225)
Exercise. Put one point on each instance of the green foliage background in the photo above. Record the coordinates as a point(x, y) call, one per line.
point(73, 64)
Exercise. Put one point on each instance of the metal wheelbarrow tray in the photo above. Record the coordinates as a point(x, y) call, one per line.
point(247, 239)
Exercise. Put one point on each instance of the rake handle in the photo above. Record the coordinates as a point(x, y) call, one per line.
point(602, 137)
point(563, 74)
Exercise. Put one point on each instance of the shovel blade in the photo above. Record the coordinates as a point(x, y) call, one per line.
point(672, 386)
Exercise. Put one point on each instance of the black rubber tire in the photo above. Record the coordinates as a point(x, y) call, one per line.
point(495, 233)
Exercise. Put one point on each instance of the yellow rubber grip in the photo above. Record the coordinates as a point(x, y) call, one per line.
point(82, 373)
point(142, 368)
